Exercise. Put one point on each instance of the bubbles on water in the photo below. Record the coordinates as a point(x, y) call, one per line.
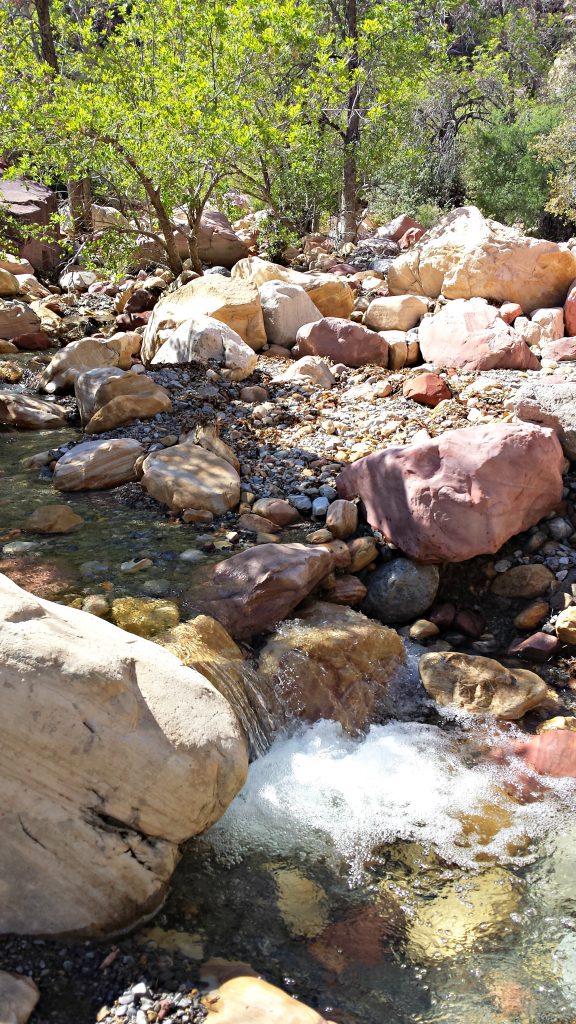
point(328, 795)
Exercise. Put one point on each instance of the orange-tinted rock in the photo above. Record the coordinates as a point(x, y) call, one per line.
point(410, 237)
point(347, 590)
point(342, 341)
point(509, 311)
point(361, 938)
point(470, 335)
point(253, 591)
point(397, 228)
point(462, 494)
point(256, 524)
point(278, 510)
point(426, 389)
point(537, 647)
point(570, 310)
point(33, 341)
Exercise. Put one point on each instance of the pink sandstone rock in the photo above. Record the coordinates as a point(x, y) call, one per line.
point(342, 341)
point(562, 351)
point(570, 310)
point(426, 389)
point(471, 335)
point(396, 229)
point(462, 494)
point(410, 237)
point(509, 311)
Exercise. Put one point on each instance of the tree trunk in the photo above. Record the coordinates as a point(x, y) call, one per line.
point(47, 44)
point(194, 254)
point(167, 229)
point(349, 200)
point(79, 201)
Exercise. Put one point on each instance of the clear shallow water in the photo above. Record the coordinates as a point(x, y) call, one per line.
point(393, 880)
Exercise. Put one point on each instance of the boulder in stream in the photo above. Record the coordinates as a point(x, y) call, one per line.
point(28, 413)
point(98, 465)
point(481, 686)
point(112, 754)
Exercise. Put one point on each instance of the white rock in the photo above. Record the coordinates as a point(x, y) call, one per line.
point(286, 308)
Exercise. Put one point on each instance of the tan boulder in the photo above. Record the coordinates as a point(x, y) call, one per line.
point(27, 413)
point(342, 519)
point(310, 368)
point(331, 295)
point(122, 399)
point(481, 686)
point(467, 256)
point(52, 519)
point(202, 338)
point(31, 287)
point(17, 318)
point(76, 358)
point(7, 347)
point(331, 662)
point(253, 591)
point(18, 997)
point(125, 754)
point(249, 1000)
point(524, 581)
point(87, 385)
point(15, 264)
point(9, 285)
point(189, 476)
point(395, 312)
point(566, 626)
point(231, 301)
point(97, 465)
point(125, 344)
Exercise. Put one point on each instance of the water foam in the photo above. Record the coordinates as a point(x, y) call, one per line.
point(322, 793)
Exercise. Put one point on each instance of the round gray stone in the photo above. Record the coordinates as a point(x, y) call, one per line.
point(400, 591)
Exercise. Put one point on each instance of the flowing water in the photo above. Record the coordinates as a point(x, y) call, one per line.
point(389, 879)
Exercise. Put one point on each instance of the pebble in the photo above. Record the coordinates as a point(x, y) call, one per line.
point(301, 502)
point(320, 507)
point(136, 565)
point(192, 554)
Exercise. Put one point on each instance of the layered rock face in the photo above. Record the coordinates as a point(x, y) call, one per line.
point(466, 256)
point(130, 754)
point(461, 494)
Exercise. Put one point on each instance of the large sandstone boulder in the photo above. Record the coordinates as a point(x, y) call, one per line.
point(286, 308)
point(481, 686)
point(471, 335)
point(28, 413)
point(331, 662)
point(17, 318)
point(551, 405)
point(88, 354)
point(466, 256)
point(122, 398)
point(203, 338)
point(218, 243)
point(342, 341)
point(330, 294)
point(86, 387)
point(97, 465)
point(462, 494)
point(28, 202)
point(113, 753)
point(253, 591)
point(233, 302)
point(189, 476)
point(9, 285)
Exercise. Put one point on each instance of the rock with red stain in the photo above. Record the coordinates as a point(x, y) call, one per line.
point(362, 937)
point(347, 590)
point(253, 591)
point(342, 341)
point(570, 310)
point(462, 494)
point(469, 622)
point(426, 389)
point(471, 335)
point(396, 229)
point(537, 647)
point(33, 341)
point(509, 311)
point(561, 351)
point(410, 237)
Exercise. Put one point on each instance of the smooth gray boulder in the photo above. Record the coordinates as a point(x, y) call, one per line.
point(551, 405)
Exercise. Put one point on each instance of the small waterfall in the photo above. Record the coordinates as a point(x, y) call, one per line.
point(202, 643)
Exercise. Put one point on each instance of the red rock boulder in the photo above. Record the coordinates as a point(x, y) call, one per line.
point(253, 591)
point(570, 310)
point(562, 351)
point(397, 228)
point(342, 341)
point(471, 335)
point(462, 494)
point(426, 389)
point(28, 202)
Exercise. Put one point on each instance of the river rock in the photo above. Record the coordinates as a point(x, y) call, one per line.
point(27, 413)
point(342, 341)
point(462, 494)
point(126, 753)
point(342, 519)
point(218, 243)
point(250, 1000)
point(481, 686)
point(467, 256)
point(570, 310)
point(551, 323)
point(471, 335)
point(286, 308)
point(78, 357)
point(124, 398)
point(202, 338)
point(523, 581)
point(254, 590)
point(16, 319)
point(9, 285)
point(15, 264)
point(18, 997)
point(331, 662)
point(566, 626)
point(97, 465)
point(144, 616)
point(310, 368)
point(330, 294)
point(231, 301)
point(278, 510)
point(189, 476)
point(86, 387)
point(395, 312)
point(400, 591)
point(52, 519)
point(551, 405)
point(426, 389)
